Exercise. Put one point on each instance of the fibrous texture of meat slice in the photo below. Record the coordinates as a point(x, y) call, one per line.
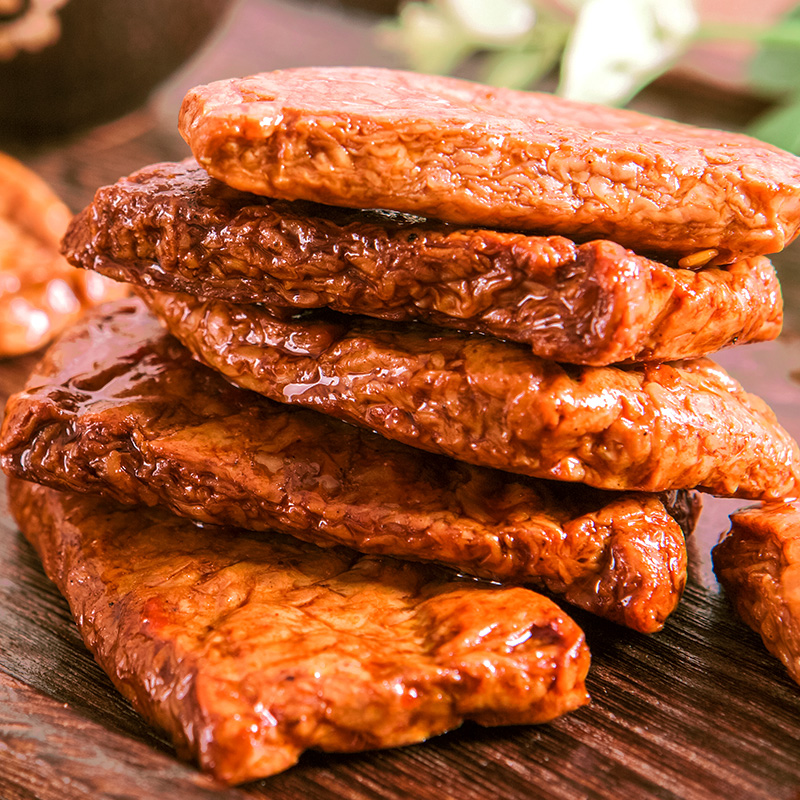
point(249, 649)
point(172, 227)
point(40, 294)
point(119, 408)
point(479, 155)
point(650, 428)
point(758, 563)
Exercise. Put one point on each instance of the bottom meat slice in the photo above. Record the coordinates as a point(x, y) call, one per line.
point(118, 407)
point(249, 649)
point(758, 563)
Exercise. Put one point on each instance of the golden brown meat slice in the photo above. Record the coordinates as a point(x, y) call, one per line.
point(249, 649)
point(649, 428)
point(758, 563)
point(478, 155)
point(119, 408)
point(40, 294)
point(171, 227)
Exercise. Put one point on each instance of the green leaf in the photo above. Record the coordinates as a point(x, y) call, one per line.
point(428, 38)
point(522, 66)
point(519, 69)
point(786, 31)
point(776, 66)
point(497, 22)
point(780, 126)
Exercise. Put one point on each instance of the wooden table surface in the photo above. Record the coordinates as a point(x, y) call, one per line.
point(699, 710)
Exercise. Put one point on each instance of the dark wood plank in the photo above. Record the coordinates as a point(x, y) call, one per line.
point(698, 711)
point(48, 751)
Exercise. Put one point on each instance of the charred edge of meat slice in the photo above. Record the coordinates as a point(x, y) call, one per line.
point(173, 228)
point(650, 428)
point(684, 508)
point(248, 649)
point(117, 407)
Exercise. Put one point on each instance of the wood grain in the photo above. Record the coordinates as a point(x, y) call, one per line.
point(698, 711)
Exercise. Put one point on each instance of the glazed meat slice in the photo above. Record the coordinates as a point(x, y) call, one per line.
point(171, 227)
point(479, 155)
point(758, 563)
point(249, 649)
point(40, 293)
point(119, 408)
point(651, 428)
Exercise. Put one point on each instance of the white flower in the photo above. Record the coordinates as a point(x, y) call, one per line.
point(492, 21)
point(617, 46)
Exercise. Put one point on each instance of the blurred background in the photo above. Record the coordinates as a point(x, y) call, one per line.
point(70, 68)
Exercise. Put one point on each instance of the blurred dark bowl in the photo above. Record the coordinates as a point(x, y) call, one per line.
point(382, 7)
point(108, 58)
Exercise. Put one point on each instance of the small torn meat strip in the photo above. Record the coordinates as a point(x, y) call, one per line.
point(649, 428)
point(171, 227)
point(479, 155)
point(249, 649)
point(119, 408)
point(758, 563)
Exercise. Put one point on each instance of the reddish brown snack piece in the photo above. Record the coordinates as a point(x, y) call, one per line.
point(119, 408)
point(40, 294)
point(171, 227)
point(249, 649)
point(478, 155)
point(758, 563)
point(650, 428)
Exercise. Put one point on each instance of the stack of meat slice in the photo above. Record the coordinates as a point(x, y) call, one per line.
point(526, 408)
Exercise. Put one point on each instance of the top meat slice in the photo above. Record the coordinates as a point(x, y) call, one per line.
point(172, 227)
point(248, 649)
point(476, 155)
